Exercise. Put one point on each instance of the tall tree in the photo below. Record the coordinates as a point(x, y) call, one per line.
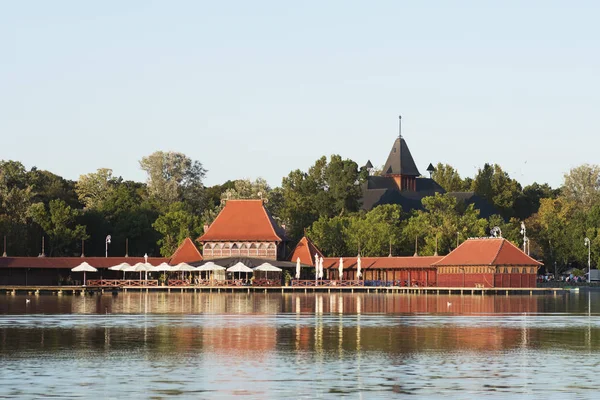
point(448, 178)
point(582, 185)
point(95, 188)
point(496, 186)
point(441, 222)
point(58, 221)
point(173, 177)
point(327, 189)
point(15, 199)
point(174, 226)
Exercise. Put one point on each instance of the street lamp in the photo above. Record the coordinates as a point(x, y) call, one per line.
point(525, 238)
point(107, 243)
point(587, 242)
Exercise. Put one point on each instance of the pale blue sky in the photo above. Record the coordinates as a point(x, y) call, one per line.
point(259, 88)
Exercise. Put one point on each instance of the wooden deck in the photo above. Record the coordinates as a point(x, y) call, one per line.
point(78, 290)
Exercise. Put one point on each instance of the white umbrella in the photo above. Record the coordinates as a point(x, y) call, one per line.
point(266, 267)
point(162, 267)
point(298, 268)
point(183, 267)
point(84, 267)
point(120, 267)
point(210, 266)
point(358, 268)
point(316, 266)
point(239, 267)
point(139, 267)
point(321, 268)
point(341, 268)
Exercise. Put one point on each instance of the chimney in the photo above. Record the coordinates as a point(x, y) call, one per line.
point(205, 228)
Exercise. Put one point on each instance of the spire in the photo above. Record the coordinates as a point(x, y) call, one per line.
point(400, 161)
point(399, 126)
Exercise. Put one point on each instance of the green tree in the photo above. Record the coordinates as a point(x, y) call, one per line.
point(174, 177)
point(528, 203)
point(496, 186)
point(328, 235)
point(441, 221)
point(15, 199)
point(377, 232)
point(326, 190)
point(174, 226)
point(582, 186)
point(94, 189)
point(448, 178)
point(58, 221)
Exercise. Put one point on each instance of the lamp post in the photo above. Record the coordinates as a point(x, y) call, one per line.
point(587, 242)
point(525, 239)
point(107, 243)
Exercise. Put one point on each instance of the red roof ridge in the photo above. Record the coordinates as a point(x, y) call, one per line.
point(240, 219)
point(499, 250)
point(187, 243)
point(270, 220)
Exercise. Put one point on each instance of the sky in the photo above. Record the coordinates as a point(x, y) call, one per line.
point(261, 88)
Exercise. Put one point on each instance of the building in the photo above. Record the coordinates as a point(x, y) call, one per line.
point(477, 262)
point(401, 183)
point(244, 228)
point(43, 271)
point(487, 262)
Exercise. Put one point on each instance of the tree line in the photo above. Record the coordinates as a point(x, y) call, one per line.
point(323, 202)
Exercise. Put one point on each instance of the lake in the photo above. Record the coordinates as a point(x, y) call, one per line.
point(221, 345)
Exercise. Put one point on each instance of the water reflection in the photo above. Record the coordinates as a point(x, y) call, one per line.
point(298, 345)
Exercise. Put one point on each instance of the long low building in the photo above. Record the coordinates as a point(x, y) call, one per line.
point(245, 232)
point(477, 262)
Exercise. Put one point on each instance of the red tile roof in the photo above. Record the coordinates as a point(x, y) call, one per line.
point(306, 250)
point(381, 262)
point(72, 262)
point(242, 220)
point(487, 251)
point(186, 252)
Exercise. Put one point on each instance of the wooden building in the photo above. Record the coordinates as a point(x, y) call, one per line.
point(487, 262)
point(56, 270)
point(402, 271)
point(244, 228)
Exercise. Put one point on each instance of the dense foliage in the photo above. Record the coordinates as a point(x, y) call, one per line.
point(323, 202)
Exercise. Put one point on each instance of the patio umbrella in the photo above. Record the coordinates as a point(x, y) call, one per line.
point(341, 268)
point(139, 267)
point(84, 267)
point(266, 267)
point(163, 267)
point(210, 267)
point(240, 267)
point(120, 267)
point(317, 266)
point(321, 268)
point(358, 268)
point(298, 268)
point(183, 267)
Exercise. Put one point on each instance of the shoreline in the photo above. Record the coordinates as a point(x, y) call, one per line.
point(82, 290)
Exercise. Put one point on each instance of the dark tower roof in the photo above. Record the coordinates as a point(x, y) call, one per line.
point(400, 161)
point(430, 168)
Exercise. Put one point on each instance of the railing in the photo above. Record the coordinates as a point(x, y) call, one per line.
point(118, 283)
point(327, 283)
point(266, 282)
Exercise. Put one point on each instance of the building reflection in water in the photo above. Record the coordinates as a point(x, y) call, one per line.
point(319, 325)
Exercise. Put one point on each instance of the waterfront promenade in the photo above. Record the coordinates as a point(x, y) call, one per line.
point(91, 289)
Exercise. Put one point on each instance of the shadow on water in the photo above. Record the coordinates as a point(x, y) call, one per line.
point(300, 345)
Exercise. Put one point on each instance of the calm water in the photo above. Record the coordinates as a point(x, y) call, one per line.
point(300, 346)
